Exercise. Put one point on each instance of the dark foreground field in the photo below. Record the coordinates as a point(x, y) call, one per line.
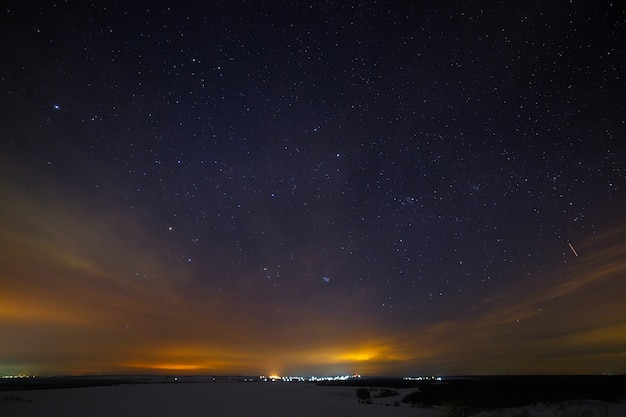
point(492, 396)
point(58, 382)
point(479, 391)
point(503, 391)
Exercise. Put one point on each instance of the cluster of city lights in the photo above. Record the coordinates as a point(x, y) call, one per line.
point(336, 378)
point(296, 378)
point(308, 378)
point(422, 378)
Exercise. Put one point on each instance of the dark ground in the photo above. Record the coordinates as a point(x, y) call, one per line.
point(53, 382)
point(467, 391)
point(503, 391)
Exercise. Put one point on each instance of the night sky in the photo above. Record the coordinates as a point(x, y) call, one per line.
point(387, 188)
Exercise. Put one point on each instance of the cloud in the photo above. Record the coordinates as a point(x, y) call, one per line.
point(575, 311)
point(92, 288)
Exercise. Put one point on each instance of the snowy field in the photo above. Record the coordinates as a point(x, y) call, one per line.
point(251, 399)
point(579, 408)
point(212, 399)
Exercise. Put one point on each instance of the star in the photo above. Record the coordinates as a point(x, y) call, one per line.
point(416, 158)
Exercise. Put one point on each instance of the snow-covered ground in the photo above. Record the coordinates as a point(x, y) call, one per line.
point(212, 399)
point(253, 399)
point(579, 408)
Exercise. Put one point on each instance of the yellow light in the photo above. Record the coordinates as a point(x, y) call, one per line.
point(175, 366)
point(358, 356)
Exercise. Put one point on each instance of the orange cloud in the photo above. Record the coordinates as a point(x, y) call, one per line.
point(74, 296)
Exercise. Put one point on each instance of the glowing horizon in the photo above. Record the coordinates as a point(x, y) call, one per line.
point(121, 325)
point(385, 189)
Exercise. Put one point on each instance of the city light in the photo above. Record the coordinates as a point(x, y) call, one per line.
point(299, 378)
point(422, 378)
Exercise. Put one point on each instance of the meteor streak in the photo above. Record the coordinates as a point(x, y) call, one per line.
point(572, 248)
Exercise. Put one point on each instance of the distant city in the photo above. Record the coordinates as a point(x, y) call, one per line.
point(208, 378)
point(336, 378)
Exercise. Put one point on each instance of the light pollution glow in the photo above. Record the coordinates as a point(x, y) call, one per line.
point(70, 305)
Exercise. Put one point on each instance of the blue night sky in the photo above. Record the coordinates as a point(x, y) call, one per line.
point(312, 187)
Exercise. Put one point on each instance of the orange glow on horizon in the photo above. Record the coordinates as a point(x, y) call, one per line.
point(358, 356)
point(76, 307)
point(167, 367)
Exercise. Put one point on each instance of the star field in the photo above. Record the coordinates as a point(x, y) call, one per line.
point(292, 187)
